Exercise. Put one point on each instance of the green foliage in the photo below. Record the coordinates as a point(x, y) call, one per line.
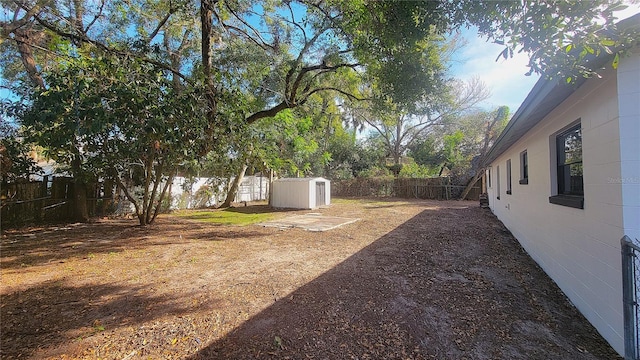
point(375, 172)
point(119, 118)
point(462, 143)
point(286, 142)
point(451, 151)
point(369, 154)
point(129, 93)
point(398, 42)
point(558, 36)
point(426, 152)
point(15, 162)
point(413, 170)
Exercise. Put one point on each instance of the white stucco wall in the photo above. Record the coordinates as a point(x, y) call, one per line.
point(629, 118)
point(580, 248)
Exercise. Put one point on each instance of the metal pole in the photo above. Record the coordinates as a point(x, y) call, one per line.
point(629, 299)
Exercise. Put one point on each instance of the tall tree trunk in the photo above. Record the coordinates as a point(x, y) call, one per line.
point(233, 191)
point(270, 194)
point(24, 38)
point(206, 20)
point(81, 211)
point(470, 184)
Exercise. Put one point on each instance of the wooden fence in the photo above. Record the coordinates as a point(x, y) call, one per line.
point(427, 188)
point(49, 200)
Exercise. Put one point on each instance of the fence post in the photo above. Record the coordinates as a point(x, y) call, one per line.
point(629, 299)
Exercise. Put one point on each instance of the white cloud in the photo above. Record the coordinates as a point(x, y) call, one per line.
point(505, 77)
point(633, 8)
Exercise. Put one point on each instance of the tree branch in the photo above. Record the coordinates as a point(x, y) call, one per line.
point(108, 49)
point(268, 112)
point(263, 45)
point(256, 32)
point(383, 133)
point(292, 95)
point(160, 25)
point(329, 88)
point(95, 18)
point(11, 26)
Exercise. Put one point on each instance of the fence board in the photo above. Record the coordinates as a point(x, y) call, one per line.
point(49, 200)
point(420, 188)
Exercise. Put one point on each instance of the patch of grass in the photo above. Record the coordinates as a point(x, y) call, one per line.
point(345, 200)
point(225, 217)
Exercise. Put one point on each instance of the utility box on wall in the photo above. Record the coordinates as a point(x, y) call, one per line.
point(301, 193)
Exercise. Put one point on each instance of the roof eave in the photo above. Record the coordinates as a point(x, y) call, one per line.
point(545, 96)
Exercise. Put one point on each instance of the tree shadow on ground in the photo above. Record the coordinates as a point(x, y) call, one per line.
point(42, 245)
point(438, 287)
point(52, 313)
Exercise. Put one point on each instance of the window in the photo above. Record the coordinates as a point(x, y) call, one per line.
point(498, 182)
point(509, 177)
point(569, 168)
point(489, 177)
point(524, 168)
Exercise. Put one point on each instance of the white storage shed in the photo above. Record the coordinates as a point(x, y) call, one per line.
point(301, 193)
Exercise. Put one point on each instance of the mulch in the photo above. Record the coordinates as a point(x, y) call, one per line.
point(411, 280)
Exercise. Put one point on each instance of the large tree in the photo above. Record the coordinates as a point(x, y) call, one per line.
point(399, 128)
point(461, 145)
point(305, 42)
point(481, 130)
point(252, 60)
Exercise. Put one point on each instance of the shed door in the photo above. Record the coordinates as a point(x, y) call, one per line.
point(320, 194)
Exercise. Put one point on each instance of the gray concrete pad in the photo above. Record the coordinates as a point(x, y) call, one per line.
point(309, 222)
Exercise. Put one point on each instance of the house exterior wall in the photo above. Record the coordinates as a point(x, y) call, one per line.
point(629, 118)
point(580, 248)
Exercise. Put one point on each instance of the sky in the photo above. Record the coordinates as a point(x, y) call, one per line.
point(505, 78)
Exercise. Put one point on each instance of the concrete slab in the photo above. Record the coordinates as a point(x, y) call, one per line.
point(309, 222)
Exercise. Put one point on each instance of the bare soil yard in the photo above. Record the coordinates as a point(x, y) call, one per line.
point(410, 280)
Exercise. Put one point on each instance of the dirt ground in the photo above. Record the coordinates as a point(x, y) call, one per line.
point(410, 280)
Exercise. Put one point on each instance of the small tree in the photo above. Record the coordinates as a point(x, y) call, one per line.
point(117, 118)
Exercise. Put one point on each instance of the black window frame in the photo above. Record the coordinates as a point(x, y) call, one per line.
point(524, 168)
point(509, 182)
point(569, 192)
point(498, 182)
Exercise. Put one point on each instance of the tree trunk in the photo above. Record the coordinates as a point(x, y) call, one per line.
point(469, 186)
point(233, 191)
point(81, 212)
point(107, 199)
point(23, 39)
point(80, 201)
point(270, 195)
point(210, 93)
point(163, 193)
